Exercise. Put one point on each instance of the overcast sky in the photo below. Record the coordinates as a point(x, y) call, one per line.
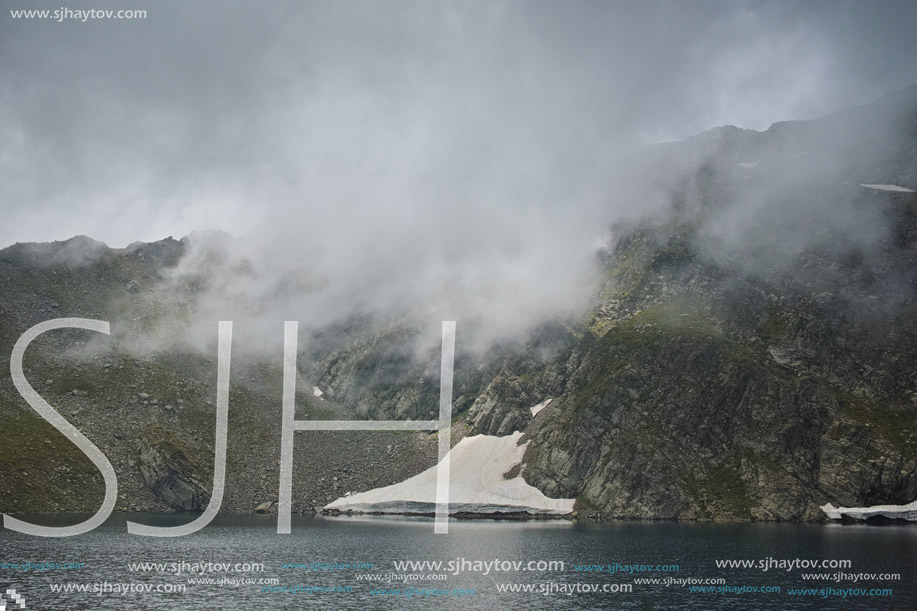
point(379, 120)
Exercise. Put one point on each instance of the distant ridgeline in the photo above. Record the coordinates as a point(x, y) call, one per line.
point(748, 354)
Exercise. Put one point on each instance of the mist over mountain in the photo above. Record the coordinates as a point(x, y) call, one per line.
point(727, 332)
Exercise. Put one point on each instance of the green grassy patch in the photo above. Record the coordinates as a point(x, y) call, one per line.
point(42, 469)
point(721, 491)
point(896, 429)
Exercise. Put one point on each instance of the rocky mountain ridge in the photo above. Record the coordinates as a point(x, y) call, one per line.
point(747, 354)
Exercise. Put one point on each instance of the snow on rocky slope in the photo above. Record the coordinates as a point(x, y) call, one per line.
point(477, 485)
point(888, 188)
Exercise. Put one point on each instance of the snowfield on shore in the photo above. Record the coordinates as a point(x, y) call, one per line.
point(477, 484)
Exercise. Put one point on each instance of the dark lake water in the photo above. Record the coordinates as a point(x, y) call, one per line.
point(329, 561)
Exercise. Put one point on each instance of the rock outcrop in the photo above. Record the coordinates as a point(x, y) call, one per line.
point(167, 471)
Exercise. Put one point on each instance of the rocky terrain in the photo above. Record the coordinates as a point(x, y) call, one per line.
point(153, 414)
point(747, 354)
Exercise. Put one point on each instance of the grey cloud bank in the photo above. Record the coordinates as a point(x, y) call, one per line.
point(392, 114)
point(374, 153)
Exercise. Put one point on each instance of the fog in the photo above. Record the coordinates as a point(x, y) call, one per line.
point(445, 159)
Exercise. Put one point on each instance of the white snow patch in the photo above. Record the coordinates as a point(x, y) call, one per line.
point(537, 408)
point(888, 188)
point(748, 164)
point(317, 392)
point(476, 484)
point(893, 512)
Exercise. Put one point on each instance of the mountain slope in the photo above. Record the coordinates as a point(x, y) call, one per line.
point(747, 353)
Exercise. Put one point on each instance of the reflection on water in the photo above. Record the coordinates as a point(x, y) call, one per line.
point(332, 554)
